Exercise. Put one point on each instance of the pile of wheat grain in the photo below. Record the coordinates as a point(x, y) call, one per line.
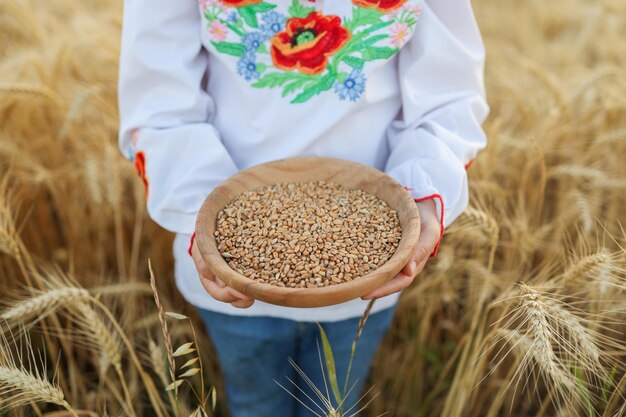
point(521, 314)
point(306, 235)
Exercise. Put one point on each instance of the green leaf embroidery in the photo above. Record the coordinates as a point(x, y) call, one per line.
point(262, 49)
point(411, 21)
point(357, 43)
point(407, 18)
point(362, 16)
point(234, 28)
point(374, 52)
point(325, 83)
point(229, 48)
point(261, 7)
point(248, 15)
point(366, 43)
point(209, 15)
point(276, 79)
point(374, 28)
point(298, 10)
point(354, 62)
point(341, 77)
point(260, 67)
point(292, 86)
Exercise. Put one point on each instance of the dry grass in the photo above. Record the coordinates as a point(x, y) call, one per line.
point(547, 210)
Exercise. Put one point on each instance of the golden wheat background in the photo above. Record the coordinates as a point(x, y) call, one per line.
point(521, 314)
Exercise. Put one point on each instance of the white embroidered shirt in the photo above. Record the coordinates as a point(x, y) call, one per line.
point(207, 89)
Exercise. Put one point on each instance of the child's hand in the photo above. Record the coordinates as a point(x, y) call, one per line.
point(429, 236)
point(214, 286)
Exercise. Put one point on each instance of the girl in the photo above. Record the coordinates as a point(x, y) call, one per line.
point(208, 89)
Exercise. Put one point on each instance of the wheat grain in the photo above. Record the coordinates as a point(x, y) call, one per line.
point(306, 235)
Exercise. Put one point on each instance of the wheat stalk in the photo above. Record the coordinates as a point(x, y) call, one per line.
point(156, 359)
point(8, 233)
point(122, 289)
point(31, 89)
point(41, 305)
point(542, 337)
point(102, 337)
point(586, 348)
point(587, 266)
point(20, 386)
point(362, 321)
point(166, 334)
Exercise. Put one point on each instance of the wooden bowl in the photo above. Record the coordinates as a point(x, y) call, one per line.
point(349, 174)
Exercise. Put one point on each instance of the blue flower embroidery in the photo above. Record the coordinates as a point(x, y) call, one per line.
point(252, 40)
point(273, 22)
point(246, 67)
point(232, 17)
point(352, 87)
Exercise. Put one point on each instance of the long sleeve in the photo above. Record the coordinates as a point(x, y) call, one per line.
point(165, 113)
point(443, 106)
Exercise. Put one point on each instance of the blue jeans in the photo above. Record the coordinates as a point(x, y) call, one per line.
point(253, 353)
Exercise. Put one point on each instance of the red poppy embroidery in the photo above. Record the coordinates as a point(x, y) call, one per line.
point(383, 6)
point(306, 43)
point(140, 166)
point(240, 3)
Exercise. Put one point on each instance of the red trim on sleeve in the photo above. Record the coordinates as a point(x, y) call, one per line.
point(432, 197)
point(193, 237)
point(140, 167)
point(469, 164)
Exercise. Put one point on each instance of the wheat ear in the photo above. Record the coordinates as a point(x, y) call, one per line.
point(542, 337)
point(166, 334)
point(43, 304)
point(20, 386)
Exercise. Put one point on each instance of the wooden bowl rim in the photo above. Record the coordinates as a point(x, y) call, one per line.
point(267, 292)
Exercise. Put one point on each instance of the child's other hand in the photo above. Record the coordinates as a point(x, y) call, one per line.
point(429, 236)
point(215, 286)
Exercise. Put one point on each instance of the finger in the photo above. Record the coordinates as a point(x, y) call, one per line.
point(419, 255)
point(201, 267)
point(429, 237)
point(232, 291)
point(220, 294)
point(242, 303)
point(397, 283)
point(420, 266)
point(213, 285)
point(238, 294)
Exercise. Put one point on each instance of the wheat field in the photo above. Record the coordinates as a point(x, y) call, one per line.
point(522, 313)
